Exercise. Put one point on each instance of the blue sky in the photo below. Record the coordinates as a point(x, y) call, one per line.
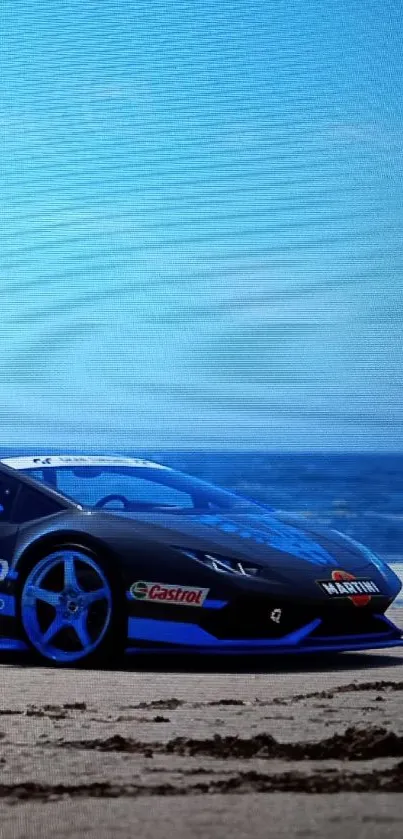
point(201, 227)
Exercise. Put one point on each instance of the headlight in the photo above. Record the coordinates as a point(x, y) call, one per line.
point(222, 564)
point(368, 554)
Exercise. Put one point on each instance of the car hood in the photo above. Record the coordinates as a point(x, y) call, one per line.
point(276, 541)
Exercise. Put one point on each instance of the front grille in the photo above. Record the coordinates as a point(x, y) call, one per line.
point(253, 618)
point(248, 618)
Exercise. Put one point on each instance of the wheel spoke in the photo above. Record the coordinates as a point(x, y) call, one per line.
point(70, 579)
point(38, 593)
point(54, 627)
point(93, 596)
point(80, 627)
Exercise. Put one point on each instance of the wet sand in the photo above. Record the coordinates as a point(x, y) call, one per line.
point(203, 748)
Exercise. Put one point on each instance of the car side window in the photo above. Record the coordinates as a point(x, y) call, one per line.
point(33, 505)
point(8, 489)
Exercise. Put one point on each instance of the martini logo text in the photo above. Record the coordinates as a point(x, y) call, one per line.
point(343, 584)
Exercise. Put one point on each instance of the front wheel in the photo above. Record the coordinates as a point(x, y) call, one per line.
point(69, 608)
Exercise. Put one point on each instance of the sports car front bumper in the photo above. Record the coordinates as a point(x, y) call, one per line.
point(171, 636)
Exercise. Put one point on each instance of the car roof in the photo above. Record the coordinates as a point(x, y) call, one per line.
point(53, 461)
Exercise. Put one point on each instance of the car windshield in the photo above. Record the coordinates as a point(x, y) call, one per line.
point(136, 489)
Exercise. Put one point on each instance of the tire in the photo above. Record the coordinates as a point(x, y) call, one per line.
point(71, 608)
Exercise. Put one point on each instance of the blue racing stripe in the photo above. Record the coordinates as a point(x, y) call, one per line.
point(12, 645)
point(189, 634)
point(214, 604)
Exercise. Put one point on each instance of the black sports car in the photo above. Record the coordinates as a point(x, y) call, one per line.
point(102, 554)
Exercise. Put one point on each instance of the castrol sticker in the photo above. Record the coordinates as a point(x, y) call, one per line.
point(167, 593)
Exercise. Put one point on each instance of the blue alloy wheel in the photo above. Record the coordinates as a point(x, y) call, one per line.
point(66, 606)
